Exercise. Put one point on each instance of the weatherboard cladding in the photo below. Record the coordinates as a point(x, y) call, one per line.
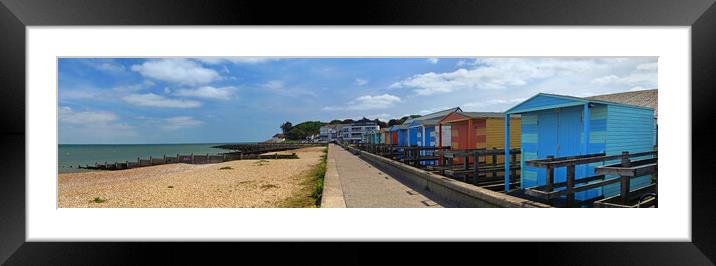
point(613, 128)
point(481, 130)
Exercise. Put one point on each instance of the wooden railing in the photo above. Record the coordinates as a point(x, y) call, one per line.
point(626, 170)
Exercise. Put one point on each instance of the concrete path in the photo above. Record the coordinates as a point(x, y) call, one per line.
point(364, 186)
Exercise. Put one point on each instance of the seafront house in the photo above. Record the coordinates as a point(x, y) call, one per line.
point(560, 126)
point(354, 132)
point(279, 137)
point(328, 133)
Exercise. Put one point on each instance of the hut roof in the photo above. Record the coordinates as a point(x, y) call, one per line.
point(439, 114)
point(644, 98)
point(433, 118)
point(463, 116)
point(483, 114)
point(560, 101)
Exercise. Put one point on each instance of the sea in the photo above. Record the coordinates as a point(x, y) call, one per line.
point(72, 155)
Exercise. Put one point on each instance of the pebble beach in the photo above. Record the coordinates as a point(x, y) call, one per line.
point(248, 184)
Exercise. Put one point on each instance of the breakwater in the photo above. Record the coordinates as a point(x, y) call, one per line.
point(242, 151)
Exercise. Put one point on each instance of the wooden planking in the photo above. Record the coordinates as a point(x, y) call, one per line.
point(496, 135)
point(628, 129)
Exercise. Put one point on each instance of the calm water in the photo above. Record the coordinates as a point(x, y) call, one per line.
point(74, 155)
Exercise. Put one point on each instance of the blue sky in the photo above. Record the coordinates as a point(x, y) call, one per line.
point(211, 100)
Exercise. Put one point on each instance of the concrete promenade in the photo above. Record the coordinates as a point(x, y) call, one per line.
point(364, 186)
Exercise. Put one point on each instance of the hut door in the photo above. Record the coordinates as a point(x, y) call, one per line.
point(547, 144)
point(548, 129)
point(569, 131)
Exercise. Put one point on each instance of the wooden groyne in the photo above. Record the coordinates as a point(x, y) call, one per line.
point(187, 159)
point(238, 152)
point(258, 148)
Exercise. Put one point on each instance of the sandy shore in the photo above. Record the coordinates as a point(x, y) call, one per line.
point(250, 183)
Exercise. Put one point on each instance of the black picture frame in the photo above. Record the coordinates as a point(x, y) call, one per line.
point(15, 15)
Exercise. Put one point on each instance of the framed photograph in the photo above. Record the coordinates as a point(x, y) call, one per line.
point(423, 121)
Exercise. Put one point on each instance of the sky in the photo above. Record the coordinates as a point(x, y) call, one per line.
point(242, 99)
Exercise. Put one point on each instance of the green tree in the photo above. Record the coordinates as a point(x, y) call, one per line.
point(286, 127)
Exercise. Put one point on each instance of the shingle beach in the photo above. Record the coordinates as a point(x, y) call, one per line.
point(249, 183)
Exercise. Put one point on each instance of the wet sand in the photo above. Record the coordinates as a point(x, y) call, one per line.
point(250, 183)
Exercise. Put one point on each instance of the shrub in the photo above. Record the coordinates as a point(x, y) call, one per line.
point(99, 200)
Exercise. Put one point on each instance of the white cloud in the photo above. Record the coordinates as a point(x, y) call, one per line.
point(493, 102)
point(382, 117)
point(432, 110)
point(67, 115)
point(273, 84)
point(109, 67)
point(368, 102)
point(177, 71)
point(640, 88)
point(153, 100)
point(91, 126)
point(81, 94)
point(236, 60)
point(433, 60)
point(461, 63)
point(179, 122)
point(361, 82)
point(632, 79)
point(208, 92)
point(498, 73)
point(647, 67)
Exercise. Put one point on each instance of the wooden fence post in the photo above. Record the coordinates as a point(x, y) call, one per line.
point(165, 159)
point(625, 179)
point(494, 162)
point(570, 184)
point(550, 176)
point(477, 168)
point(192, 158)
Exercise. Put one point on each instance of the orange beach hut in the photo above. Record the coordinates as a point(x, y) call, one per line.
point(479, 130)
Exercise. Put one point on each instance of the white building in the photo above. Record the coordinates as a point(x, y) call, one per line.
point(328, 133)
point(354, 132)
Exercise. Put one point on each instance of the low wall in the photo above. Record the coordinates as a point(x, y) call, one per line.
point(458, 193)
point(332, 196)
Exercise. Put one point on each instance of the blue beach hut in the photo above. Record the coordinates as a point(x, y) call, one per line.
point(422, 130)
point(558, 125)
point(402, 134)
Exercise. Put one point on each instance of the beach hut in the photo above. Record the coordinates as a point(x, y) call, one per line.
point(399, 134)
point(423, 133)
point(376, 136)
point(422, 129)
point(386, 135)
point(480, 130)
point(558, 125)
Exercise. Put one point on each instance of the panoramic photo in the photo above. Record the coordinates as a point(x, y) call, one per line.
point(374, 132)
